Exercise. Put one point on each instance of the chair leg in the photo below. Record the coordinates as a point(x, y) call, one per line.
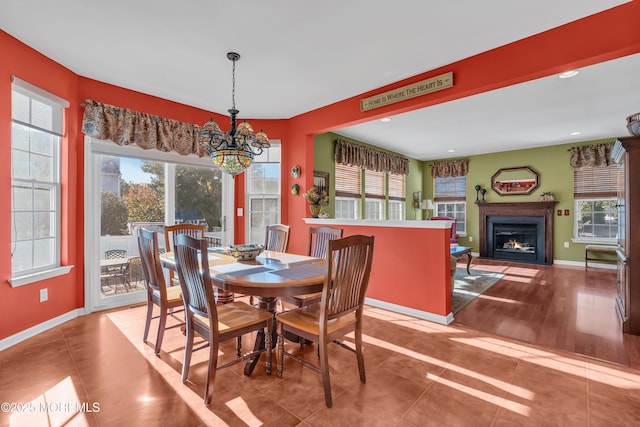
point(211, 372)
point(280, 353)
point(359, 354)
point(162, 324)
point(239, 346)
point(269, 337)
point(147, 322)
point(188, 350)
point(324, 368)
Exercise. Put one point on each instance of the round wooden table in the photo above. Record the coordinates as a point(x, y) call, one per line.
point(269, 276)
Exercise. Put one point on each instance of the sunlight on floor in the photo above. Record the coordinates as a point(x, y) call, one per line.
point(496, 299)
point(58, 406)
point(518, 391)
point(575, 366)
point(487, 397)
point(240, 408)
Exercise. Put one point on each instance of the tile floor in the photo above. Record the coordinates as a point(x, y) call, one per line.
point(418, 374)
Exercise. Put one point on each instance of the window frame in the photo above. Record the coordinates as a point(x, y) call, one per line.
point(54, 131)
point(577, 216)
point(458, 197)
point(355, 209)
point(272, 155)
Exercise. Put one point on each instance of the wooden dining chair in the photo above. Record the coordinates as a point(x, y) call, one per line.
point(171, 231)
point(277, 238)
point(214, 323)
point(319, 238)
point(340, 310)
point(168, 299)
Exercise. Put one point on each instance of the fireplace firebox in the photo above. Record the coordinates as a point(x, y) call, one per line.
point(516, 238)
point(519, 231)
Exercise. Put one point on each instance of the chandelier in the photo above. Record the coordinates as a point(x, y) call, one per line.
point(233, 152)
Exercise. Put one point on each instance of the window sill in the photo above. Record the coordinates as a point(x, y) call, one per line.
point(41, 275)
point(596, 241)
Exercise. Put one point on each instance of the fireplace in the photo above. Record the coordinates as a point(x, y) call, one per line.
point(521, 232)
point(516, 238)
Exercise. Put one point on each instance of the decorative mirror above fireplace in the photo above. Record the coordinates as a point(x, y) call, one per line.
point(514, 181)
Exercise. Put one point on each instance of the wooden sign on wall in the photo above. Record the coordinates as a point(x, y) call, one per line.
point(434, 84)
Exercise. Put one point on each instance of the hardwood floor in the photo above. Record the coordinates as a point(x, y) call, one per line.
point(562, 307)
point(96, 370)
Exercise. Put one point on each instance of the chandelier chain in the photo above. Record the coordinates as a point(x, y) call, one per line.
point(233, 87)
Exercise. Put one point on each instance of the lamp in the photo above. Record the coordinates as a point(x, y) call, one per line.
point(233, 152)
point(427, 205)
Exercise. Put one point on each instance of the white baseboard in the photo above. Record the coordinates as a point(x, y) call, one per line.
point(592, 264)
point(37, 329)
point(425, 315)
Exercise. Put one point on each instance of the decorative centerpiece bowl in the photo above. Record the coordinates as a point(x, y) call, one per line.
point(633, 124)
point(245, 252)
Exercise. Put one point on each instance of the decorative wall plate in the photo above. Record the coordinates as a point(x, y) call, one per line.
point(295, 172)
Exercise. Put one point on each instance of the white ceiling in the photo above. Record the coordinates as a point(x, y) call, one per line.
point(298, 56)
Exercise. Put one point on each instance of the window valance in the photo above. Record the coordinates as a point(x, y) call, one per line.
point(449, 168)
point(591, 155)
point(348, 153)
point(123, 127)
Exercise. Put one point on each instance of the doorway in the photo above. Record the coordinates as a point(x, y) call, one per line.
point(128, 188)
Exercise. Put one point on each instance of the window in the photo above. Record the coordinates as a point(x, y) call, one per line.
point(450, 199)
point(347, 192)
point(263, 193)
point(594, 192)
point(374, 194)
point(396, 197)
point(36, 131)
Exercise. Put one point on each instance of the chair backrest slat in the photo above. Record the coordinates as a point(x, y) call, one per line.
point(349, 266)
point(319, 240)
point(277, 238)
point(197, 290)
point(149, 256)
point(171, 231)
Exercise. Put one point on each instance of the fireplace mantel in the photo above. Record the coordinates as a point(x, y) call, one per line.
point(544, 209)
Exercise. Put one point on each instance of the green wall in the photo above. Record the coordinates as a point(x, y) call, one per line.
point(555, 175)
point(551, 163)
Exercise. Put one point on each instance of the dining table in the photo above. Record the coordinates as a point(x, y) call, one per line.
point(269, 276)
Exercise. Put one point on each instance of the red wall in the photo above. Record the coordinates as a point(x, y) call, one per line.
point(601, 37)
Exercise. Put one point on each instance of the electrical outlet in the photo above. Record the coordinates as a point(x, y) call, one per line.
point(44, 294)
point(471, 238)
point(566, 244)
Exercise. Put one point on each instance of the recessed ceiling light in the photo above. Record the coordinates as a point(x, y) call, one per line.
point(574, 133)
point(451, 151)
point(386, 120)
point(568, 74)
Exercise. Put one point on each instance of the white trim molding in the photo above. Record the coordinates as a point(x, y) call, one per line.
point(425, 315)
point(38, 329)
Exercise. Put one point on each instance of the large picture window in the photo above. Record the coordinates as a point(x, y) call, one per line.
point(36, 131)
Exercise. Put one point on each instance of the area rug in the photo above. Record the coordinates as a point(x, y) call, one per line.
point(468, 287)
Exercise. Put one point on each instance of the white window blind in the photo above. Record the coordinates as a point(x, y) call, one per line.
point(373, 184)
point(450, 188)
point(347, 181)
point(595, 182)
point(396, 187)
